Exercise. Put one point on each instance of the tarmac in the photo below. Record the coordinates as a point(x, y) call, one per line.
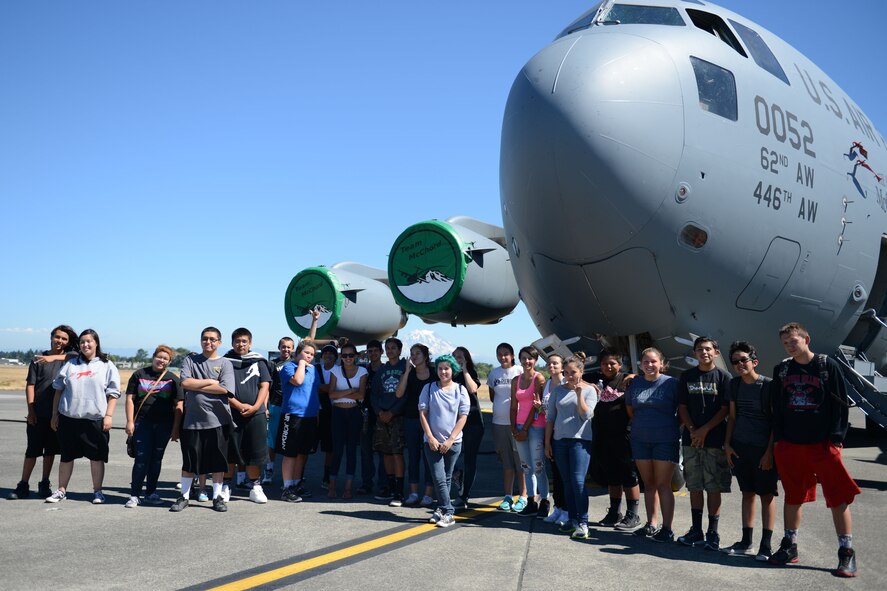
point(364, 544)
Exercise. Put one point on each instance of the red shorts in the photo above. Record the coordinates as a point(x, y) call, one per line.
point(802, 465)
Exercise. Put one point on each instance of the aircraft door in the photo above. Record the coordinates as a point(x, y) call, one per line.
point(772, 275)
point(871, 321)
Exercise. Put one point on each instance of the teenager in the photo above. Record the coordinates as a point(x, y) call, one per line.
point(154, 404)
point(559, 515)
point(810, 422)
point(42, 440)
point(473, 432)
point(388, 436)
point(297, 434)
point(347, 390)
point(208, 382)
point(371, 470)
point(499, 384)
point(86, 392)
point(528, 429)
point(417, 375)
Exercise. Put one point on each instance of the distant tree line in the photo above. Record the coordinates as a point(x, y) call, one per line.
point(142, 356)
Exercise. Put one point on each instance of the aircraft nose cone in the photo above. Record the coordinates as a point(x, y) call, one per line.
point(592, 135)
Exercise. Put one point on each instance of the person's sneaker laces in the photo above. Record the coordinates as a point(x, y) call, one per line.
point(132, 502)
point(648, 531)
point(412, 500)
point(846, 563)
point(506, 504)
point(787, 553)
point(22, 491)
point(435, 516)
point(629, 523)
point(57, 496)
point(179, 504)
point(219, 504)
point(529, 510)
point(738, 549)
point(764, 553)
point(290, 495)
point(44, 488)
point(581, 532)
point(611, 518)
point(663, 536)
point(98, 498)
point(446, 521)
point(693, 537)
point(153, 499)
point(257, 495)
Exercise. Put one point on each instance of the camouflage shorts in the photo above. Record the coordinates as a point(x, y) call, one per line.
point(706, 468)
point(388, 437)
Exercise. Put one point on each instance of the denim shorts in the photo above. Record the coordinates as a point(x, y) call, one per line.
point(668, 451)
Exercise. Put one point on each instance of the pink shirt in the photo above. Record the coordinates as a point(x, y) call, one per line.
point(524, 398)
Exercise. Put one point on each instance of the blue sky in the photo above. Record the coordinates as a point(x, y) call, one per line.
point(169, 165)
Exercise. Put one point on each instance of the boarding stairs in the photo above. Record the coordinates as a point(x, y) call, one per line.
point(867, 388)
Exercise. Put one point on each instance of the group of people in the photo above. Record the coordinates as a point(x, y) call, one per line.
point(234, 413)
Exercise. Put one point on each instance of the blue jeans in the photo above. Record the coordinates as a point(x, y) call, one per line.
point(150, 442)
point(572, 457)
point(347, 422)
point(472, 436)
point(442, 473)
point(413, 433)
point(532, 460)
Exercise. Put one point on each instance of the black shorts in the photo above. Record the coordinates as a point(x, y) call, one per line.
point(748, 473)
point(205, 451)
point(612, 464)
point(42, 440)
point(249, 441)
point(79, 438)
point(297, 436)
point(325, 430)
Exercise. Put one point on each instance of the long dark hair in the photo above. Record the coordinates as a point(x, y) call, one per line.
point(469, 362)
point(98, 344)
point(73, 339)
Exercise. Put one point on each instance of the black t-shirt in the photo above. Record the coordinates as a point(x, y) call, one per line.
point(804, 409)
point(754, 419)
point(41, 375)
point(610, 420)
point(474, 416)
point(411, 395)
point(250, 371)
point(705, 394)
point(275, 393)
point(160, 406)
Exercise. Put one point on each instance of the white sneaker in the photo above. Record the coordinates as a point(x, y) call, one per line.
point(57, 496)
point(553, 516)
point(98, 498)
point(446, 521)
point(132, 502)
point(226, 493)
point(257, 495)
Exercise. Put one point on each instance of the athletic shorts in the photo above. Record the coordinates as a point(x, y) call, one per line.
point(662, 451)
point(42, 440)
point(248, 445)
point(297, 436)
point(506, 447)
point(706, 468)
point(82, 438)
point(388, 437)
point(801, 465)
point(325, 430)
point(748, 474)
point(274, 413)
point(205, 451)
point(616, 469)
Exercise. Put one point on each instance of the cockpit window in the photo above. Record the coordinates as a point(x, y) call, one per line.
point(634, 14)
point(712, 23)
point(717, 88)
point(583, 22)
point(760, 51)
point(695, 2)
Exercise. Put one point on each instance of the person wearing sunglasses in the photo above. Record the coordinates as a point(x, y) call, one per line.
point(748, 446)
point(347, 389)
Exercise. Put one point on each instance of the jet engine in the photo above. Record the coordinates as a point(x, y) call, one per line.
point(353, 300)
point(457, 271)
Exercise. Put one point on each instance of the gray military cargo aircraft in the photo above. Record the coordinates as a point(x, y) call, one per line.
point(708, 178)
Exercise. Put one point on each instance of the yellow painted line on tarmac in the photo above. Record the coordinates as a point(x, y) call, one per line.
point(339, 555)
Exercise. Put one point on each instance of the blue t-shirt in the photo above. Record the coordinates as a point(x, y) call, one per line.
point(302, 400)
point(655, 407)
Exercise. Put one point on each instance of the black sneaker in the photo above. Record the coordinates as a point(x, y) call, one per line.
point(740, 548)
point(787, 553)
point(544, 509)
point(384, 494)
point(846, 563)
point(303, 492)
point(663, 536)
point(219, 504)
point(179, 505)
point(22, 491)
point(290, 495)
point(712, 541)
point(44, 488)
point(648, 531)
point(629, 522)
point(764, 553)
point(530, 510)
point(693, 537)
point(611, 518)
